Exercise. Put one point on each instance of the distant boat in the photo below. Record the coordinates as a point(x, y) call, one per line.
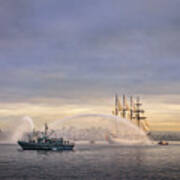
point(42, 141)
point(163, 143)
point(92, 142)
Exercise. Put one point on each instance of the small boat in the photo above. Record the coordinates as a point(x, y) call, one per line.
point(92, 142)
point(42, 141)
point(163, 143)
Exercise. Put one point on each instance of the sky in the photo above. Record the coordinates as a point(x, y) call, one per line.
point(60, 58)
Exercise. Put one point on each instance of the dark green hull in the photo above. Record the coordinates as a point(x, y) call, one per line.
point(44, 146)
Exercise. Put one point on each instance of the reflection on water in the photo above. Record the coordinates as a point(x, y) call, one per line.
point(97, 161)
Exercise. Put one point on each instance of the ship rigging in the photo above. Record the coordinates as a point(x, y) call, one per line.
point(132, 112)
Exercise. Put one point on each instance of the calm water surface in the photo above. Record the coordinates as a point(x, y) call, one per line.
point(92, 162)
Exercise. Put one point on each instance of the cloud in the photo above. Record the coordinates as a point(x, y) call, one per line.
point(79, 49)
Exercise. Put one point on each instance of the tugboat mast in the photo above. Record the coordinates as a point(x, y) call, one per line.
point(45, 129)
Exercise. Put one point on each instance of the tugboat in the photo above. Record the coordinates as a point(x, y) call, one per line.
point(42, 141)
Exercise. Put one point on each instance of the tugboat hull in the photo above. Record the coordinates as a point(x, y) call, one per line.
point(45, 146)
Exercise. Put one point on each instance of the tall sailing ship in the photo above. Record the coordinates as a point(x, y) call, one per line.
point(131, 111)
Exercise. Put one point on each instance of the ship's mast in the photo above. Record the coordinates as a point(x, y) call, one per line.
point(131, 108)
point(138, 111)
point(124, 107)
point(116, 105)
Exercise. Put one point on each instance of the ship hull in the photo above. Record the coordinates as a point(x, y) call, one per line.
point(44, 146)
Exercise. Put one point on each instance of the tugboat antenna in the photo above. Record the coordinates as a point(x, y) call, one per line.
point(45, 129)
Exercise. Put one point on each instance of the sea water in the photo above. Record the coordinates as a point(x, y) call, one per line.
point(92, 161)
point(131, 157)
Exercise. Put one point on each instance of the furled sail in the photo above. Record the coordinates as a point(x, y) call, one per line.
point(126, 105)
point(118, 106)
